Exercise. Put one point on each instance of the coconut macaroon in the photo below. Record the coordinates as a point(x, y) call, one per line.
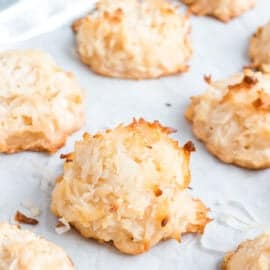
point(250, 255)
point(40, 104)
point(128, 186)
point(134, 39)
point(259, 49)
point(223, 10)
point(232, 118)
point(23, 250)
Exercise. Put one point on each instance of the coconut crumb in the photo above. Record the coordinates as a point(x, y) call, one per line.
point(62, 226)
point(190, 147)
point(207, 79)
point(22, 218)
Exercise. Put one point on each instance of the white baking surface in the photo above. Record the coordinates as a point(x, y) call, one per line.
point(232, 193)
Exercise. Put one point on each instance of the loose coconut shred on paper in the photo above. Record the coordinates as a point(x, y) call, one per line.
point(22, 218)
point(62, 226)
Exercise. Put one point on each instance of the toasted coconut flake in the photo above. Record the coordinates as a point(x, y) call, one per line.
point(190, 147)
point(208, 79)
point(20, 217)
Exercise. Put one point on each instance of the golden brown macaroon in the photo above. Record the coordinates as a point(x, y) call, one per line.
point(250, 255)
point(23, 250)
point(232, 118)
point(128, 186)
point(134, 39)
point(40, 104)
point(223, 10)
point(259, 48)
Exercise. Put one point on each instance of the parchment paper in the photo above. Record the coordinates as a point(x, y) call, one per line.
point(219, 49)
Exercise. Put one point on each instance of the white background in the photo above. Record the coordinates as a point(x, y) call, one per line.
point(219, 49)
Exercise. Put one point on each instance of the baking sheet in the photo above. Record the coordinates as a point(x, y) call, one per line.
point(239, 198)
